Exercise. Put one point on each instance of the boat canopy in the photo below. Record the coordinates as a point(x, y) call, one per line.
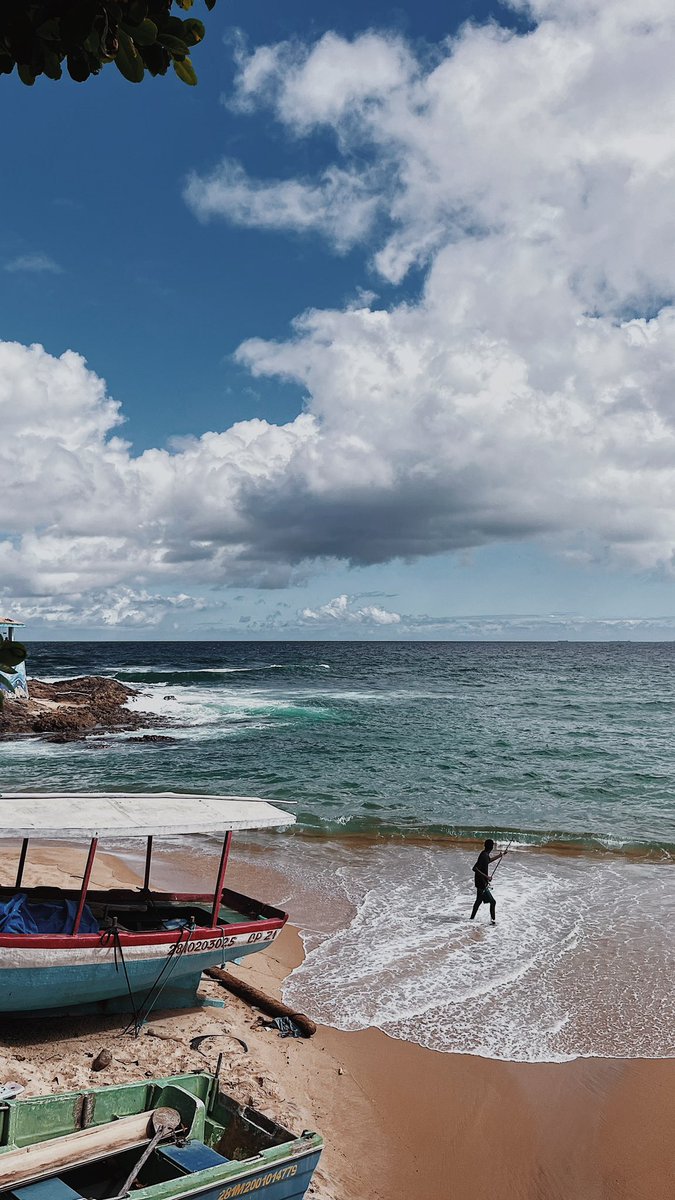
point(70, 815)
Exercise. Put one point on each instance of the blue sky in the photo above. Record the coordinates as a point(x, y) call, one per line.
point(475, 419)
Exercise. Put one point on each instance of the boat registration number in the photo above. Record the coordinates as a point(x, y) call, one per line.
point(253, 1185)
point(199, 945)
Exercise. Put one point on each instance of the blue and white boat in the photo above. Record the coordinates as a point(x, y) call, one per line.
point(125, 949)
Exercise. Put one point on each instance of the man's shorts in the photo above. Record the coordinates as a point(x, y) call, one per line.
point(486, 897)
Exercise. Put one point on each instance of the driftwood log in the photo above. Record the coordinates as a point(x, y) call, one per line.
point(253, 995)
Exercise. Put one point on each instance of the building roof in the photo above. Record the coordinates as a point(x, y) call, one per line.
point(72, 815)
point(9, 621)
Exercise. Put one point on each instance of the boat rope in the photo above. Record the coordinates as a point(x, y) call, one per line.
point(151, 997)
point(114, 934)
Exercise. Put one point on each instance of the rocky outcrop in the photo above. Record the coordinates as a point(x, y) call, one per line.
point(70, 709)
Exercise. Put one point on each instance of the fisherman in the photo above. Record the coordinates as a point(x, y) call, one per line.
point(483, 878)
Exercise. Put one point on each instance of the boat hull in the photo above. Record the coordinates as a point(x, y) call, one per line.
point(69, 976)
point(278, 1181)
point(225, 1151)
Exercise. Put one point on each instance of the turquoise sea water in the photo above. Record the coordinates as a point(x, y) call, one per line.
point(399, 756)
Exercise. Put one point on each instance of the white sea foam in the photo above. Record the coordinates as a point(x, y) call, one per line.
point(203, 709)
point(579, 964)
point(191, 671)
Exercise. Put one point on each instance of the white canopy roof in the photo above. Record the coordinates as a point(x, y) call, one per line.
point(69, 815)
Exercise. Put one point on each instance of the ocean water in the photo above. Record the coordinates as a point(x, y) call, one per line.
point(399, 758)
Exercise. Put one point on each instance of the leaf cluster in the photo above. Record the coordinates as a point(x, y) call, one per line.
point(41, 37)
point(11, 654)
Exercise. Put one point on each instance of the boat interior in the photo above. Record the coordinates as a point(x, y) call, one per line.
point(142, 911)
point(210, 1130)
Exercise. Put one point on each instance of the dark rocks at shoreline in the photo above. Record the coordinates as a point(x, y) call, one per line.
point(152, 739)
point(71, 709)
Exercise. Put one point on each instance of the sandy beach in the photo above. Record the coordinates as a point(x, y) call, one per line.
point(398, 1120)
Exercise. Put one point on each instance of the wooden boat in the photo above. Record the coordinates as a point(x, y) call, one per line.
point(124, 949)
point(163, 1139)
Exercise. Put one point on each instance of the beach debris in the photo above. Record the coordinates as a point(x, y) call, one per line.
point(286, 1025)
point(156, 1032)
point(196, 1042)
point(9, 1090)
point(103, 1059)
point(257, 999)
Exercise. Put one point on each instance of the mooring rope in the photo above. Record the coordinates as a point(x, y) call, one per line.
point(114, 934)
point(151, 997)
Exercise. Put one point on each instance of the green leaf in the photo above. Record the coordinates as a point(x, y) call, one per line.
point(137, 11)
point(174, 44)
point(193, 31)
point(52, 63)
point(156, 58)
point(210, 4)
point(78, 67)
point(26, 74)
point(185, 4)
point(11, 654)
point(128, 60)
point(185, 71)
point(92, 43)
point(172, 25)
point(141, 35)
point(50, 31)
point(77, 21)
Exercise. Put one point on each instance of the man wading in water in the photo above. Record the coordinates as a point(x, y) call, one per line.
point(482, 877)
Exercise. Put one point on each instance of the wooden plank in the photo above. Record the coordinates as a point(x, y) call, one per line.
point(37, 1161)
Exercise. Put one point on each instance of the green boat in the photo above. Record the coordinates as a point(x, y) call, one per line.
point(162, 1139)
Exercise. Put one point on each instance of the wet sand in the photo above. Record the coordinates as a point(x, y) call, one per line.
point(399, 1121)
point(433, 1125)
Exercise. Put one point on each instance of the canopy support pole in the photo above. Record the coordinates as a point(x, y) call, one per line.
point(85, 884)
point(22, 862)
point(148, 860)
point(218, 894)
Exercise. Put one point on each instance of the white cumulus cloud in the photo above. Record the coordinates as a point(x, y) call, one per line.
point(338, 204)
point(345, 610)
point(528, 391)
point(120, 608)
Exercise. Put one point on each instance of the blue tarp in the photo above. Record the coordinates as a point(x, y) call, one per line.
point(21, 915)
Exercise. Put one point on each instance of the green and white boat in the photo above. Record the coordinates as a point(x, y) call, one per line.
point(163, 1139)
